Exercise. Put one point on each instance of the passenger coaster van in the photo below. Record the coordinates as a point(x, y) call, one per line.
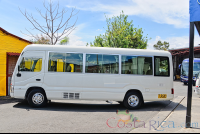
point(128, 76)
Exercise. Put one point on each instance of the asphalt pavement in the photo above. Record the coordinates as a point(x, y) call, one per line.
point(70, 116)
point(174, 121)
point(97, 116)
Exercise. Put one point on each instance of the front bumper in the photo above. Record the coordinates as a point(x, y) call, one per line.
point(12, 91)
point(186, 80)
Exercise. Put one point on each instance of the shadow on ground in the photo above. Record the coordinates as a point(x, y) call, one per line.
point(84, 107)
point(6, 100)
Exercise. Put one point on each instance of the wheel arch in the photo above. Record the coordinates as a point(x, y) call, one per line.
point(33, 88)
point(135, 90)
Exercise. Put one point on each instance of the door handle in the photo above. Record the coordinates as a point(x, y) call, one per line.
point(38, 79)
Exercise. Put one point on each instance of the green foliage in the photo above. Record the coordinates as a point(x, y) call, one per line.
point(65, 41)
point(120, 33)
point(161, 46)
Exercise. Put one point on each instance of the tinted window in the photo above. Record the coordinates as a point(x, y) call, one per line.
point(137, 65)
point(99, 63)
point(65, 62)
point(162, 66)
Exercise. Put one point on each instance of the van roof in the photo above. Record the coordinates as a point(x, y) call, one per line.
point(103, 50)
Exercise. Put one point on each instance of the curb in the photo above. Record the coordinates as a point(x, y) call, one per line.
point(160, 117)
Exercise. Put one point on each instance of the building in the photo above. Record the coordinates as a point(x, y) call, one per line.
point(10, 48)
point(178, 55)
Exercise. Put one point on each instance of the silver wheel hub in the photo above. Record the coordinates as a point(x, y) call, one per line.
point(38, 98)
point(133, 101)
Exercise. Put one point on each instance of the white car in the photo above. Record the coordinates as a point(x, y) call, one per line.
point(197, 88)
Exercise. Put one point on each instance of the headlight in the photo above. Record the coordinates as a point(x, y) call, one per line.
point(11, 89)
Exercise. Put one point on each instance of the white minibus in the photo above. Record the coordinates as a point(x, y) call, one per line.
point(128, 76)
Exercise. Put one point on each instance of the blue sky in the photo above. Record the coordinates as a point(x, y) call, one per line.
point(165, 20)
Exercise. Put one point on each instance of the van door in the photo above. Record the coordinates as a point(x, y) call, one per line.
point(31, 70)
point(163, 77)
point(63, 77)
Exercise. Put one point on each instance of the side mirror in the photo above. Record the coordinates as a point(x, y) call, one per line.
point(179, 67)
point(18, 74)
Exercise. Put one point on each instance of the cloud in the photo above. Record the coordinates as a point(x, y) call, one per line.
point(175, 42)
point(74, 39)
point(173, 12)
point(99, 30)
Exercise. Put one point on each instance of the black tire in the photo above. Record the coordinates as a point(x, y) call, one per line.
point(185, 83)
point(38, 103)
point(194, 84)
point(137, 96)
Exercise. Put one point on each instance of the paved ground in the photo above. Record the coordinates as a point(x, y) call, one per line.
point(174, 122)
point(74, 116)
point(181, 89)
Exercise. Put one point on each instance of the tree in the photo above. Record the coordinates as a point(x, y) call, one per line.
point(120, 33)
point(42, 39)
point(161, 46)
point(65, 41)
point(56, 27)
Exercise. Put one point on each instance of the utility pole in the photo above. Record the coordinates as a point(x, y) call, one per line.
point(190, 77)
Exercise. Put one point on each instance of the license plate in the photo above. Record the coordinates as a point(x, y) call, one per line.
point(162, 95)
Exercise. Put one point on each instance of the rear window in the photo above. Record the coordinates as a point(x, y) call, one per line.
point(162, 66)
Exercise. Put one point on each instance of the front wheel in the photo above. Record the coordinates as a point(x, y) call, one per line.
point(133, 100)
point(37, 98)
point(185, 83)
point(194, 84)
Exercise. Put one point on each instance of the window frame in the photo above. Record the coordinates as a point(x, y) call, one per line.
point(168, 66)
point(137, 65)
point(120, 64)
point(64, 53)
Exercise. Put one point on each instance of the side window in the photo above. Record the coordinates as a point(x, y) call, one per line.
point(74, 62)
point(65, 62)
point(30, 64)
point(145, 65)
point(137, 65)
point(162, 66)
point(56, 62)
point(99, 63)
point(110, 64)
point(129, 65)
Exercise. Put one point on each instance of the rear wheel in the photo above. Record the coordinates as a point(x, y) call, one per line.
point(37, 98)
point(133, 100)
